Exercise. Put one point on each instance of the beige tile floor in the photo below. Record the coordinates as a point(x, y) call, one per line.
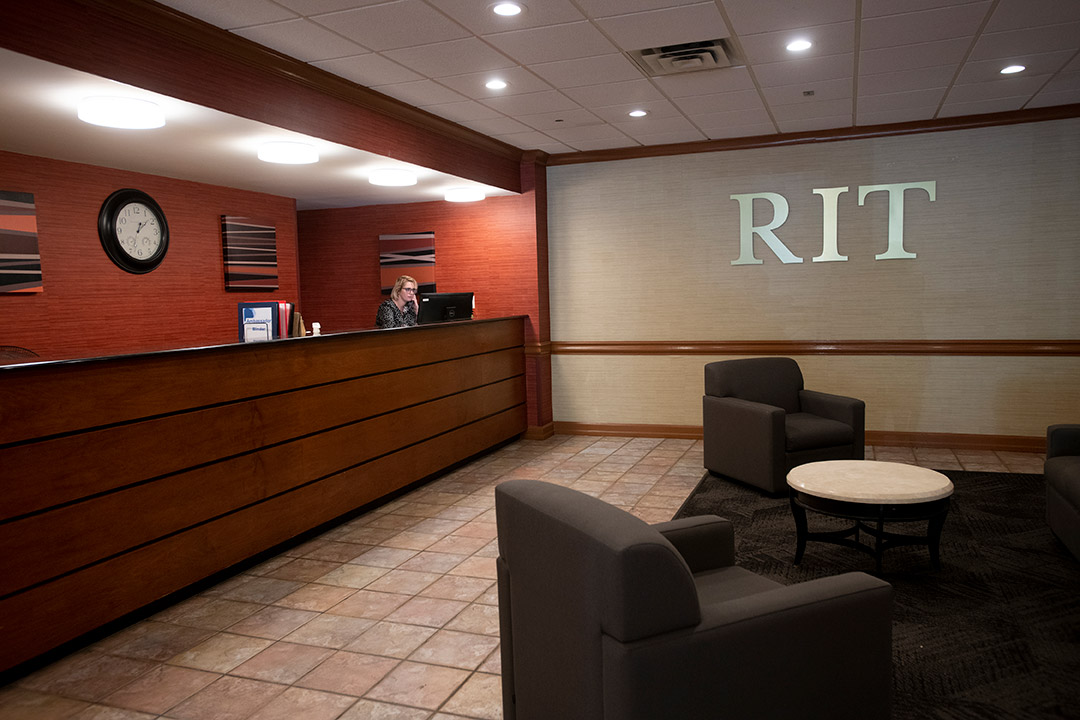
point(390, 616)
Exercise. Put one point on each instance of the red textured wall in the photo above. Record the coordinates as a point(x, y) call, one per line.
point(89, 306)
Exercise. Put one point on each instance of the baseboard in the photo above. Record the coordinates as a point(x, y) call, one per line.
point(956, 441)
point(540, 432)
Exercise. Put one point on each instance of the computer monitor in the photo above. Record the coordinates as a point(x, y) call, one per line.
point(443, 307)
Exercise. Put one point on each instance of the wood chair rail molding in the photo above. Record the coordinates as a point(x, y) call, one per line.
point(1024, 348)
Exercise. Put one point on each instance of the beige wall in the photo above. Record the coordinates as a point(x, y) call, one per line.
point(643, 250)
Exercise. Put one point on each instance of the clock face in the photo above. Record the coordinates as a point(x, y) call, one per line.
point(133, 230)
point(138, 231)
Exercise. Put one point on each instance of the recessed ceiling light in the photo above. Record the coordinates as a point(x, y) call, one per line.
point(1012, 69)
point(121, 112)
point(638, 113)
point(799, 45)
point(463, 195)
point(495, 84)
point(288, 153)
point(507, 9)
point(392, 177)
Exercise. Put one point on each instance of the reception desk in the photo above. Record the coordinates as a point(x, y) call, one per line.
point(126, 479)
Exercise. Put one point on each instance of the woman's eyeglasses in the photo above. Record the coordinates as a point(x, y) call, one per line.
point(412, 290)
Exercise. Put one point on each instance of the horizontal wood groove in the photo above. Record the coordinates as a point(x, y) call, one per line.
point(886, 438)
point(1032, 348)
point(965, 122)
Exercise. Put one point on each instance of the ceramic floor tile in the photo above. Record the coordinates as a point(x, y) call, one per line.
point(479, 697)
point(304, 569)
point(458, 545)
point(429, 611)
point(86, 675)
point(208, 613)
point(262, 590)
point(153, 641)
point(368, 604)
point(352, 576)
point(482, 528)
point(373, 710)
point(161, 689)
point(221, 653)
point(273, 622)
point(332, 631)
point(316, 597)
point(409, 540)
point(348, 673)
point(384, 557)
point(493, 664)
point(457, 587)
point(303, 704)
point(22, 704)
point(406, 582)
point(282, 662)
point(338, 552)
point(477, 618)
point(228, 698)
point(480, 567)
point(455, 649)
point(104, 712)
point(418, 685)
point(396, 640)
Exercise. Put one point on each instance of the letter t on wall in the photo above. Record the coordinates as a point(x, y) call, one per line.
point(896, 213)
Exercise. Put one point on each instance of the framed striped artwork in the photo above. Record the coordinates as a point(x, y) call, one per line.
point(407, 254)
point(20, 260)
point(250, 248)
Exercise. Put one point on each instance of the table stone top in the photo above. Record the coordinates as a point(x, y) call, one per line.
point(870, 481)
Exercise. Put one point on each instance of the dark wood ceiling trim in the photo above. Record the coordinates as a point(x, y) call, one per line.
point(966, 122)
point(1063, 348)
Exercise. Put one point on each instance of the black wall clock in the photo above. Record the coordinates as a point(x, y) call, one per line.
point(133, 230)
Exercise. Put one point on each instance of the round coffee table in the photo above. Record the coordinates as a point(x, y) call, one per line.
point(868, 491)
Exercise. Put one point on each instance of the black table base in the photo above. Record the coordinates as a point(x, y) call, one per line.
point(870, 518)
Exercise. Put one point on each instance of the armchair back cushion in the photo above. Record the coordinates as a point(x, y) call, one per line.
point(771, 381)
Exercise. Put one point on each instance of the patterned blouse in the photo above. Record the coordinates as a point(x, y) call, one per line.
point(388, 315)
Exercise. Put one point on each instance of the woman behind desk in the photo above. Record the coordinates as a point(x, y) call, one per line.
point(399, 310)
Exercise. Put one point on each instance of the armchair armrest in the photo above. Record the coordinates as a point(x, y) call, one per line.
point(706, 542)
point(835, 407)
point(743, 439)
point(1062, 440)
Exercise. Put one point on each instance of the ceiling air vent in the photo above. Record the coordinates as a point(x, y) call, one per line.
point(687, 57)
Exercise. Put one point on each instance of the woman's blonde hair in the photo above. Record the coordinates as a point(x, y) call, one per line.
point(401, 283)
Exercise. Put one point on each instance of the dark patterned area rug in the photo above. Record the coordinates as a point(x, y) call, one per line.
point(994, 634)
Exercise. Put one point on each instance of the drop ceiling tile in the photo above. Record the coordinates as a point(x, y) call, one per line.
point(709, 121)
point(810, 124)
point(421, 93)
point(621, 112)
point(957, 21)
point(982, 106)
point(899, 101)
point(573, 135)
point(796, 94)
point(393, 25)
point(1016, 14)
point(315, 7)
point(302, 40)
point(906, 80)
point(911, 57)
point(634, 91)
point(812, 110)
point(497, 126)
point(1005, 87)
point(369, 70)
point(609, 144)
point(738, 131)
point(1036, 64)
point(531, 103)
point(751, 17)
point(1073, 66)
point(552, 43)
point(835, 39)
point(232, 15)
point(587, 71)
point(1063, 82)
point(671, 138)
point(654, 125)
point(705, 82)
point(886, 117)
point(519, 82)
point(811, 69)
point(604, 8)
point(462, 111)
point(1019, 42)
point(561, 119)
point(877, 8)
point(478, 17)
point(672, 26)
point(531, 139)
point(455, 57)
point(720, 102)
point(1049, 99)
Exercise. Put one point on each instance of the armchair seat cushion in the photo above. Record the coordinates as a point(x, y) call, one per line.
point(1063, 475)
point(808, 432)
point(730, 583)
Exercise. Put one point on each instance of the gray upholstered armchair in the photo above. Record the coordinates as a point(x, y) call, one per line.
point(1062, 473)
point(604, 617)
point(759, 422)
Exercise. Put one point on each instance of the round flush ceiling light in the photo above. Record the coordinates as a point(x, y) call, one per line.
point(392, 177)
point(495, 84)
point(638, 113)
point(799, 45)
point(507, 9)
point(463, 195)
point(1012, 69)
point(288, 153)
point(121, 112)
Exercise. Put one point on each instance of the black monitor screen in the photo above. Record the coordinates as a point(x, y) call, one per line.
point(443, 307)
